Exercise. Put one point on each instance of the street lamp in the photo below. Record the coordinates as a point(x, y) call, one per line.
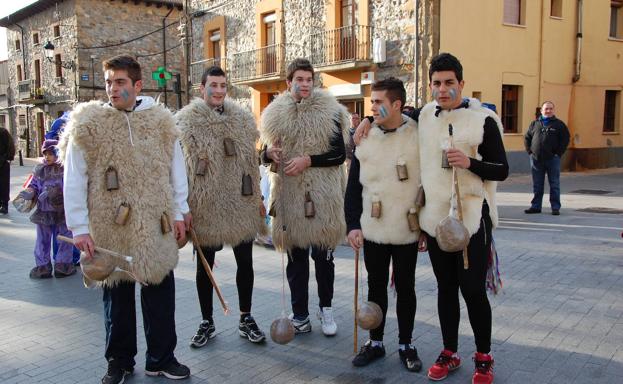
point(48, 49)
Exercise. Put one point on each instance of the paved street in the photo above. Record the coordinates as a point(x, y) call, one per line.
point(559, 318)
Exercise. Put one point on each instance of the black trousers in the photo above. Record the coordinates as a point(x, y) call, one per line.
point(5, 176)
point(297, 272)
point(452, 277)
point(243, 253)
point(404, 259)
point(158, 305)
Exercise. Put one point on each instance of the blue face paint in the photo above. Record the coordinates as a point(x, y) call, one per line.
point(435, 94)
point(452, 92)
point(125, 95)
point(296, 88)
point(209, 91)
point(383, 111)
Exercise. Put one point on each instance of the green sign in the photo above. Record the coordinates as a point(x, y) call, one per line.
point(161, 75)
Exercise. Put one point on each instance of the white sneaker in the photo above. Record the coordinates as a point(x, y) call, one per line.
point(325, 315)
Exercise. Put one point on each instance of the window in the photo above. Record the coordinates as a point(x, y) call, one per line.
point(22, 120)
point(57, 31)
point(616, 19)
point(611, 111)
point(18, 70)
point(514, 12)
point(510, 107)
point(215, 41)
point(37, 74)
point(35, 38)
point(57, 64)
point(18, 45)
point(348, 12)
point(269, 29)
point(270, 55)
point(3, 121)
point(556, 8)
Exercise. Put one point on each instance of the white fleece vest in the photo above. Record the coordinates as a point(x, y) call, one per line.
point(468, 130)
point(378, 156)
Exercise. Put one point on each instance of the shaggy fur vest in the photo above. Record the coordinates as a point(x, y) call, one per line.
point(306, 128)
point(143, 169)
point(468, 132)
point(221, 214)
point(378, 156)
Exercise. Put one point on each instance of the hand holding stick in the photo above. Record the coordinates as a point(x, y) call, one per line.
point(206, 266)
point(98, 249)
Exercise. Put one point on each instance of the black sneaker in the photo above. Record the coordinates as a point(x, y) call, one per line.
point(116, 374)
point(532, 210)
point(410, 359)
point(556, 212)
point(368, 354)
point(174, 371)
point(205, 332)
point(248, 328)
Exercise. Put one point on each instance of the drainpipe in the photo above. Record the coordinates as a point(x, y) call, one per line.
point(26, 77)
point(541, 53)
point(578, 46)
point(416, 54)
point(164, 48)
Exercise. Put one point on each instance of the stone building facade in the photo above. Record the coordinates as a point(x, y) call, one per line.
point(350, 42)
point(83, 33)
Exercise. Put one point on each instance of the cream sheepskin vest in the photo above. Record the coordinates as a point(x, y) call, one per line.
point(468, 132)
point(101, 133)
point(221, 214)
point(306, 128)
point(378, 156)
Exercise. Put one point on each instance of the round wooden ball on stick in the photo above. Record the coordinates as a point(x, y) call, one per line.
point(369, 315)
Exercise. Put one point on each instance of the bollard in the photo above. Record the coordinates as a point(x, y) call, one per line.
point(21, 159)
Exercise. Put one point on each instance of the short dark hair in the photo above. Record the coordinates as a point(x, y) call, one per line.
point(214, 70)
point(299, 64)
point(395, 89)
point(548, 102)
point(127, 63)
point(445, 62)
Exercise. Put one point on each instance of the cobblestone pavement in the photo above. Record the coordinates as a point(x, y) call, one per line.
point(558, 320)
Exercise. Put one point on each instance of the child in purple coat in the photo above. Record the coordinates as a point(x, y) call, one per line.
point(47, 188)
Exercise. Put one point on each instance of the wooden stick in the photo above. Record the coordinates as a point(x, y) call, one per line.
point(206, 266)
point(356, 301)
point(99, 249)
point(459, 205)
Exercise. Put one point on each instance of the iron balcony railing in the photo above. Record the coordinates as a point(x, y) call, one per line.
point(258, 63)
point(198, 67)
point(342, 45)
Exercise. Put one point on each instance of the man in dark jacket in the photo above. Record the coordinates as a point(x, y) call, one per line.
point(7, 153)
point(546, 141)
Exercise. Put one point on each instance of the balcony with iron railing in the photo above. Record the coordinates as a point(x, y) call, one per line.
point(27, 90)
point(342, 48)
point(198, 67)
point(258, 65)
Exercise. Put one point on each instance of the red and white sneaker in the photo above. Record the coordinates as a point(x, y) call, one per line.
point(484, 369)
point(447, 362)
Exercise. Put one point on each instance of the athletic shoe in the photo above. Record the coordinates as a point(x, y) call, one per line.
point(41, 272)
point(556, 212)
point(410, 359)
point(116, 374)
point(483, 374)
point(300, 326)
point(174, 371)
point(368, 354)
point(205, 332)
point(325, 315)
point(248, 328)
point(447, 362)
point(63, 270)
point(532, 210)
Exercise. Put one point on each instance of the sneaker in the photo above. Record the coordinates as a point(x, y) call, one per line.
point(556, 212)
point(300, 326)
point(325, 315)
point(248, 328)
point(41, 272)
point(368, 354)
point(447, 362)
point(63, 270)
point(532, 210)
point(205, 332)
point(174, 371)
point(116, 374)
point(410, 359)
point(484, 369)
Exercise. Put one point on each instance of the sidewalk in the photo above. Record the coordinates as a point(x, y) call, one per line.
point(559, 318)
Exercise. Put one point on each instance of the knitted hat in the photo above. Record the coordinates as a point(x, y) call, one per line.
point(49, 145)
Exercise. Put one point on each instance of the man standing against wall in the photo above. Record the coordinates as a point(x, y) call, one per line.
point(7, 154)
point(546, 141)
point(305, 130)
point(218, 139)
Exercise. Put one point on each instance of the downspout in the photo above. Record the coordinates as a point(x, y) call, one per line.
point(541, 53)
point(415, 54)
point(164, 49)
point(578, 47)
point(26, 77)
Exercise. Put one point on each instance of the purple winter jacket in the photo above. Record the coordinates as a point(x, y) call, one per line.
point(47, 183)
